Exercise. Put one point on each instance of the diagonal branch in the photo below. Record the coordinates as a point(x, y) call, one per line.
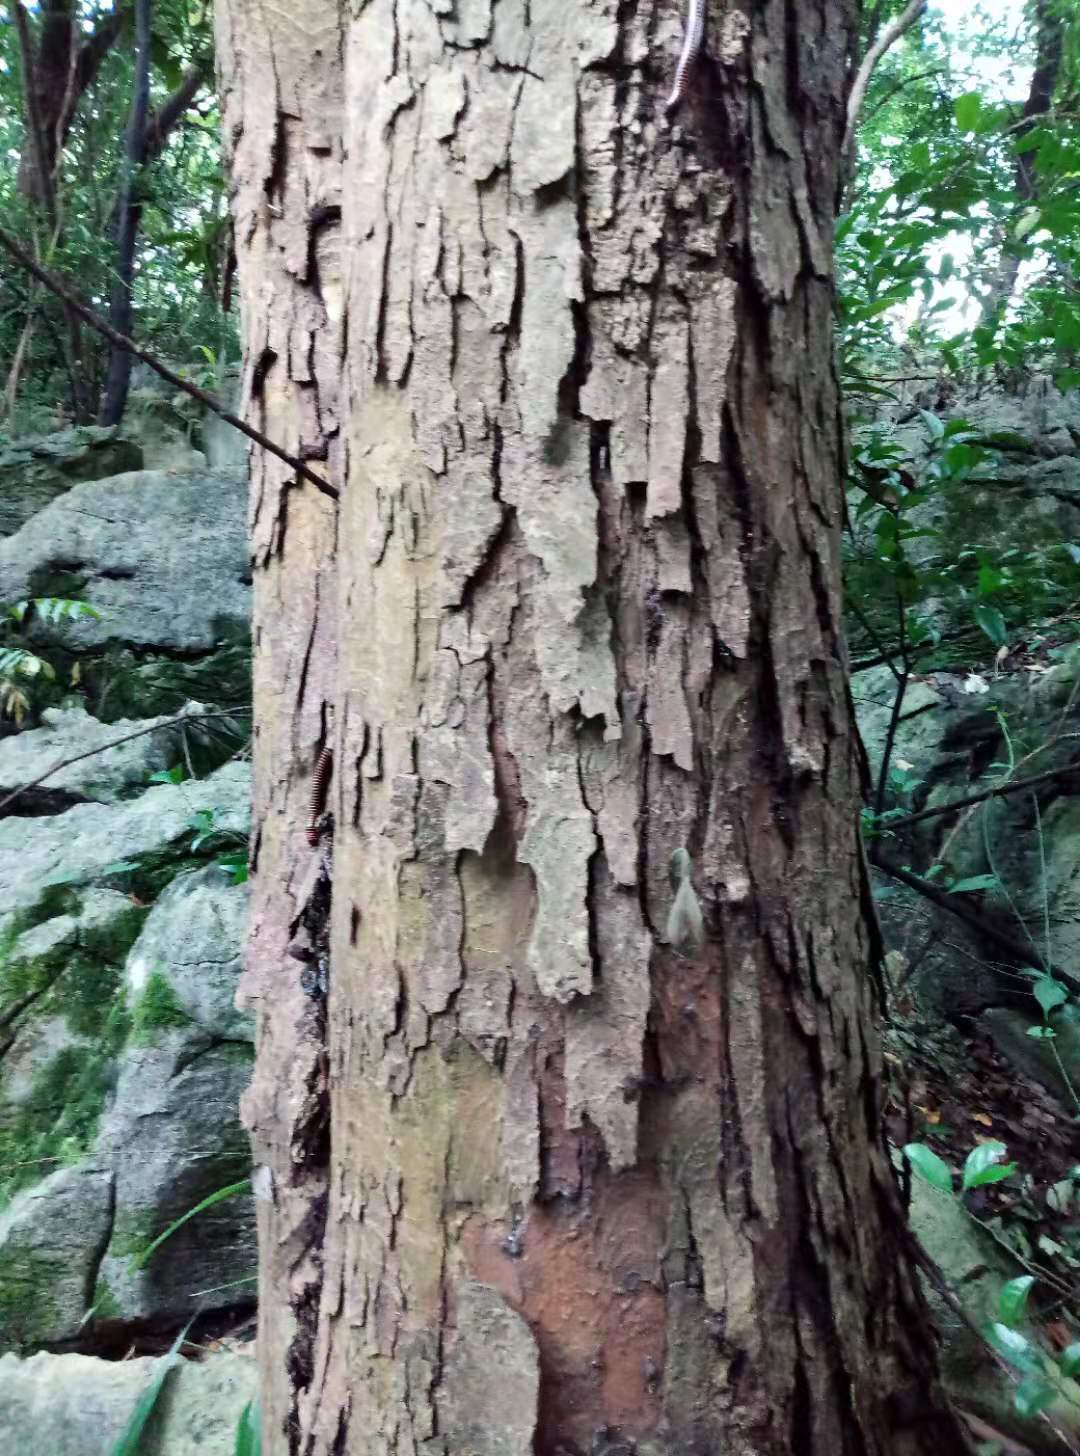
point(162, 121)
point(888, 37)
point(124, 738)
point(123, 342)
point(983, 929)
point(997, 791)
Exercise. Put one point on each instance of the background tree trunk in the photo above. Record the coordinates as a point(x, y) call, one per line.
point(65, 64)
point(547, 1185)
point(128, 216)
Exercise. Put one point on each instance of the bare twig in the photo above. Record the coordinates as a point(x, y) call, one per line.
point(997, 791)
point(902, 678)
point(1016, 950)
point(889, 36)
point(935, 1277)
point(121, 341)
point(125, 738)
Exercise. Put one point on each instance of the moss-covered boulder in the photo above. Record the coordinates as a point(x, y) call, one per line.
point(172, 1134)
point(34, 471)
point(139, 844)
point(123, 1062)
point(74, 1405)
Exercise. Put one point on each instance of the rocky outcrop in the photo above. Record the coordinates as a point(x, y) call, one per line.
point(161, 556)
point(119, 1117)
point(71, 1405)
point(34, 472)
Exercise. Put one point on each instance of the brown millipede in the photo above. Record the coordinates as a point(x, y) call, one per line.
point(692, 40)
point(319, 781)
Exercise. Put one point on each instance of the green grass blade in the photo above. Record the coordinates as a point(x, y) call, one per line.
point(208, 1202)
point(248, 1433)
point(128, 1443)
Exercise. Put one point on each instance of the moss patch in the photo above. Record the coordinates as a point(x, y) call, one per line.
point(156, 1009)
point(28, 1309)
point(78, 980)
point(56, 1121)
point(105, 1304)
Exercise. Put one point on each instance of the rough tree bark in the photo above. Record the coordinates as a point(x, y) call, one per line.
point(529, 1180)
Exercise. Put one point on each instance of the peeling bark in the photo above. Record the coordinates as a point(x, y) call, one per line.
point(550, 1187)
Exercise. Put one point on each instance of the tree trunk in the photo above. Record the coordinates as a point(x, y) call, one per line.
point(1049, 25)
point(530, 1179)
point(64, 66)
point(128, 217)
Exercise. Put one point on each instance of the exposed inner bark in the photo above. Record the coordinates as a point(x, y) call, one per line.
point(578, 1193)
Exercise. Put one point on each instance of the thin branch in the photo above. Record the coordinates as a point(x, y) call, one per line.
point(996, 792)
point(937, 1279)
point(127, 737)
point(888, 37)
point(121, 341)
point(902, 679)
point(161, 122)
point(884, 657)
point(978, 923)
point(902, 85)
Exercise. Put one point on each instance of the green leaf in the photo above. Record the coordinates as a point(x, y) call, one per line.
point(974, 882)
point(983, 1165)
point(174, 775)
point(1070, 1360)
point(1033, 1395)
point(967, 110)
point(934, 426)
point(1049, 993)
point(131, 1436)
point(1015, 1347)
point(929, 1166)
point(990, 580)
point(248, 1432)
point(990, 620)
point(1041, 1033)
point(1029, 221)
point(236, 863)
point(209, 1201)
point(120, 867)
point(1012, 1301)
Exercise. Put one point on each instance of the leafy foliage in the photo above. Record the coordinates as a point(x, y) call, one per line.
point(184, 240)
point(20, 668)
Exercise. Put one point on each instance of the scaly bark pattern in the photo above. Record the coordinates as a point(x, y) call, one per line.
point(583, 1194)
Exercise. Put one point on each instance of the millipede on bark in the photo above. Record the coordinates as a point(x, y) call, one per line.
point(317, 799)
point(692, 39)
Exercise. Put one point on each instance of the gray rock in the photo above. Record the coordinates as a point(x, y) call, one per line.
point(56, 982)
point(34, 472)
point(103, 778)
point(73, 1405)
point(226, 448)
point(919, 735)
point(51, 1239)
point(146, 1097)
point(76, 847)
point(1037, 412)
point(174, 1138)
point(975, 1269)
point(173, 1134)
point(1034, 1055)
point(163, 557)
